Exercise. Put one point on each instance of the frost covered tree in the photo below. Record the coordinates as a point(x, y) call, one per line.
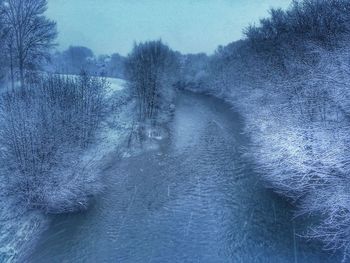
point(32, 34)
point(151, 70)
point(289, 78)
point(64, 114)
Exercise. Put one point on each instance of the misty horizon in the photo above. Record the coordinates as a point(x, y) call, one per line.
point(183, 25)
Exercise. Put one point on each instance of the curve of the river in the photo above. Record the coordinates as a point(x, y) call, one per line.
point(194, 199)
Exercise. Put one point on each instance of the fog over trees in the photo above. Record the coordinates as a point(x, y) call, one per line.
point(77, 58)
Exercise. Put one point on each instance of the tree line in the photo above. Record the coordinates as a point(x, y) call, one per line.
point(289, 77)
point(77, 58)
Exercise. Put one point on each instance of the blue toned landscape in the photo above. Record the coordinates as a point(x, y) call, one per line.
point(174, 131)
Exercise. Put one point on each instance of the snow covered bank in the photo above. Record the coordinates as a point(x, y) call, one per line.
point(296, 111)
point(302, 153)
point(21, 227)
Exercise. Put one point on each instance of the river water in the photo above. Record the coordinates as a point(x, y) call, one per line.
point(196, 198)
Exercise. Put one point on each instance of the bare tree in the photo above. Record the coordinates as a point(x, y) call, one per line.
point(32, 34)
point(3, 42)
point(151, 71)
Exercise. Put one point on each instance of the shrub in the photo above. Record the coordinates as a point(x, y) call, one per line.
point(53, 116)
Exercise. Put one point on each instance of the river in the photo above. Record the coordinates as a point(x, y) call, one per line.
point(196, 198)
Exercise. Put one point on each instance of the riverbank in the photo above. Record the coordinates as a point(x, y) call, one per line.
point(302, 162)
point(196, 197)
point(21, 228)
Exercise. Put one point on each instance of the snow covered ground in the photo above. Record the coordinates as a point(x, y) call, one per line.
point(19, 227)
point(115, 85)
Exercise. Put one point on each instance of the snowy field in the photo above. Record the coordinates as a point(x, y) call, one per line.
point(115, 85)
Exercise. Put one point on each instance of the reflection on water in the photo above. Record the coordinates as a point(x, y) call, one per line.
point(194, 199)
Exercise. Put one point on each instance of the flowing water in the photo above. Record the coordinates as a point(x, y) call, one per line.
point(194, 199)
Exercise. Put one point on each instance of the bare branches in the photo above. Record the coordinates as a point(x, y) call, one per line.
point(290, 80)
point(32, 34)
point(64, 114)
point(151, 69)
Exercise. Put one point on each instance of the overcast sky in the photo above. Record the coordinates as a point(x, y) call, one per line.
point(189, 26)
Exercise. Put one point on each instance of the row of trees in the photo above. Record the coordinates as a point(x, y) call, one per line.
point(290, 79)
point(77, 58)
point(27, 37)
point(306, 25)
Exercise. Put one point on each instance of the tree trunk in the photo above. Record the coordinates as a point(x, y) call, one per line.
point(21, 73)
point(11, 69)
